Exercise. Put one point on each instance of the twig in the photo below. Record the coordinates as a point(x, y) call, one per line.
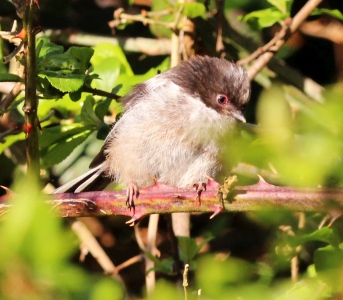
point(142, 45)
point(98, 92)
point(185, 281)
point(129, 262)
point(151, 248)
point(16, 90)
point(281, 38)
point(89, 241)
point(289, 74)
point(121, 18)
point(219, 26)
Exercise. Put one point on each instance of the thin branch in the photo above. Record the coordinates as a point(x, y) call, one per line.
point(219, 26)
point(283, 36)
point(122, 18)
point(91, 244)
point(98, 92)
point(16, 90)
point(129, 44)
point(130, 261)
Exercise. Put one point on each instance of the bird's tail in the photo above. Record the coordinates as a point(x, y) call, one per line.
point(93, 180)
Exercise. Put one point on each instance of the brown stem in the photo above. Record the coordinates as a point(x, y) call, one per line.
point(100, 93)
point(31, 101)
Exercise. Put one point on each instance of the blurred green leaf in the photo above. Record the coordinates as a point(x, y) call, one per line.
point(10, 140)
point(189, 248)
point(166, 291)
point(59, 141)
point(164, 265)
point(281, 5)
point(107, 289)
point(331, 12)
point(325, 234)
point(88, 116)
point(105, 51)
point(264, 18)
point(101, 108)
point(218, 277)
point(193, 9)
point(7, 77)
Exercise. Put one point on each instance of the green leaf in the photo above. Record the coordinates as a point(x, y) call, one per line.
point(83, 55)
point(66, 83)
point(103, 51)
point(193, 10)
point(10, 140)
point(46, 48)
point(164, 266)
point(328, 262)
point(264, 18)
point(108, 70)
point(103, 131)
point(7, 77)
point(101, 108)
point(63, 71)
point(58, 142)
point(325, 234)
point(331, 12)
point(189, 248)
point(281, 5)
point(88, 115)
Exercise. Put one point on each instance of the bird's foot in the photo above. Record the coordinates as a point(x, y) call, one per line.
point(199, 188)
point(132, 193)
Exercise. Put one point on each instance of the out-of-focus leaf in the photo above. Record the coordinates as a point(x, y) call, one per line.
point(325, 234)
point(58, 142)
point(107, 289)
point(331, 12)
point(193, 10)
point(189, 248)
point(88, 116)
point(215, 281)
point(264, 18)
point(164, 266)
point(7, 77)
point(104, 51)
point(281, 5)
point(102, 108)
point(11, 139)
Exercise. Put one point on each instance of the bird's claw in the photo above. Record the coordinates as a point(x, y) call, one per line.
point(199, 188)
point(132, 193)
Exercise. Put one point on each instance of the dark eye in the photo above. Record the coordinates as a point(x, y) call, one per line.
point(222, 99)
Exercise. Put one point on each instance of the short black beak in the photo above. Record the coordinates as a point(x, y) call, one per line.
point(238, 116)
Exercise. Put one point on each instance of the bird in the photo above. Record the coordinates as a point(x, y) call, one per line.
point(171, 129)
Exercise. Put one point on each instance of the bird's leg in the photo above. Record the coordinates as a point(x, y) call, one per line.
point(131, 193)
point(199, 188)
